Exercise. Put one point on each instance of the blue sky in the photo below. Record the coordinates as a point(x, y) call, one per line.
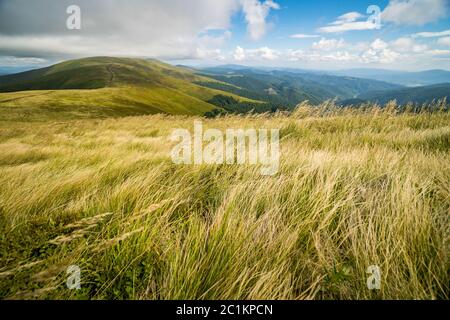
point(308, 17)
point(327, 34)
point(305, 17)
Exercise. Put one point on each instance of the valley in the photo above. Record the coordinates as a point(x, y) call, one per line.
point(102, 87)
point(88, 181)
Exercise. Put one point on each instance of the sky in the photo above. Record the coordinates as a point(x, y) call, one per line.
point(327, 35)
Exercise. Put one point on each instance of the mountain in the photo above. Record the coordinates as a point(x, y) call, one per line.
point(289, 88)
point(402, 78)
point(226, 68)
point(403, 96)
point(410, 79)
point(105, 86)
point(116, 87)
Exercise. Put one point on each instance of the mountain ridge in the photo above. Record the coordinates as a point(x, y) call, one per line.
point(402, 96)
point(109, 86)
point(290, 88)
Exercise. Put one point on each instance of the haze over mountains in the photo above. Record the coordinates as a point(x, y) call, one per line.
point(289, 88)
point(422, 78)
point(354, 86)
point(417, 95)
point(106, 86)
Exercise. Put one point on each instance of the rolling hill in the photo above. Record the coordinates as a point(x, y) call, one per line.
point(105, 87)
point(403, 96)
point(115, 87)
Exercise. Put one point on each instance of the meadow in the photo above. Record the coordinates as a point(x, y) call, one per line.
point(356, 188)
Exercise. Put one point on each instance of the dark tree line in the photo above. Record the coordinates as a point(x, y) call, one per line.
point(227, 104)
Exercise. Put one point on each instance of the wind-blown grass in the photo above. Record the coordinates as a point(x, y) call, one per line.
point(355, 189)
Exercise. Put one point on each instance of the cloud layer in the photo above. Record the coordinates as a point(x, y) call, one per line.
point(164, 29)
point(415, 12)
point(399, 12)
point(34, 32)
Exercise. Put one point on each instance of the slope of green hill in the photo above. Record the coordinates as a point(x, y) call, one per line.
point(105, 87)
point(95, 73)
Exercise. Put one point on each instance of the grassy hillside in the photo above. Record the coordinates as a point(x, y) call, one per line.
point(104, 87)
point(355, 188)
point(97, 72)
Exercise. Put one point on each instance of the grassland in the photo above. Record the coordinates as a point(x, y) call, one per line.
point(356, 188)
point(105, 87)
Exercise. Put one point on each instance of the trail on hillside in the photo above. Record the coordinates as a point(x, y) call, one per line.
point(111, 73)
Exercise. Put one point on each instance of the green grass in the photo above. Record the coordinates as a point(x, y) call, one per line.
point(98, 103)
point(355, 188)
point(104, 87)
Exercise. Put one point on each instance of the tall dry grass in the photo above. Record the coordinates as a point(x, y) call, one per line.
point(356, 188)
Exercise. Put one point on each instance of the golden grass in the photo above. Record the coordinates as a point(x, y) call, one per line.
point(355, 189)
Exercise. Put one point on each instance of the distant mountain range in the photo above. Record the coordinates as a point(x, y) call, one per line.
point(411, 79)
point(416, 95)
point(349, 87)
point(106, 86)
point(289, 88)
point(403, 78)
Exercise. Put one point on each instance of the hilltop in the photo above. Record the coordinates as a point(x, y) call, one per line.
point(104, 87)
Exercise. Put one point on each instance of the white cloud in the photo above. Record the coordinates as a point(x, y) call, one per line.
point(209, 54)
point(432, 34)
point(401, 12)
point(376, 52)
point(256, 14)
point(337, 53)
point(170, 29)
point(438, 52)
point(349, 22)
point(444, 41)
point(348, 17)
point(405, 44)
point(260, 54)
point(378, 44)
point(267, 53)
point(239, 54)
point(314, 56)
point(415, 12)
point(342, 56)
point(329, 44)
point(17, 62)
point(295, 55)
point(215, 41)
point(304, 36)
point(379, 52)
point(349, 26)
